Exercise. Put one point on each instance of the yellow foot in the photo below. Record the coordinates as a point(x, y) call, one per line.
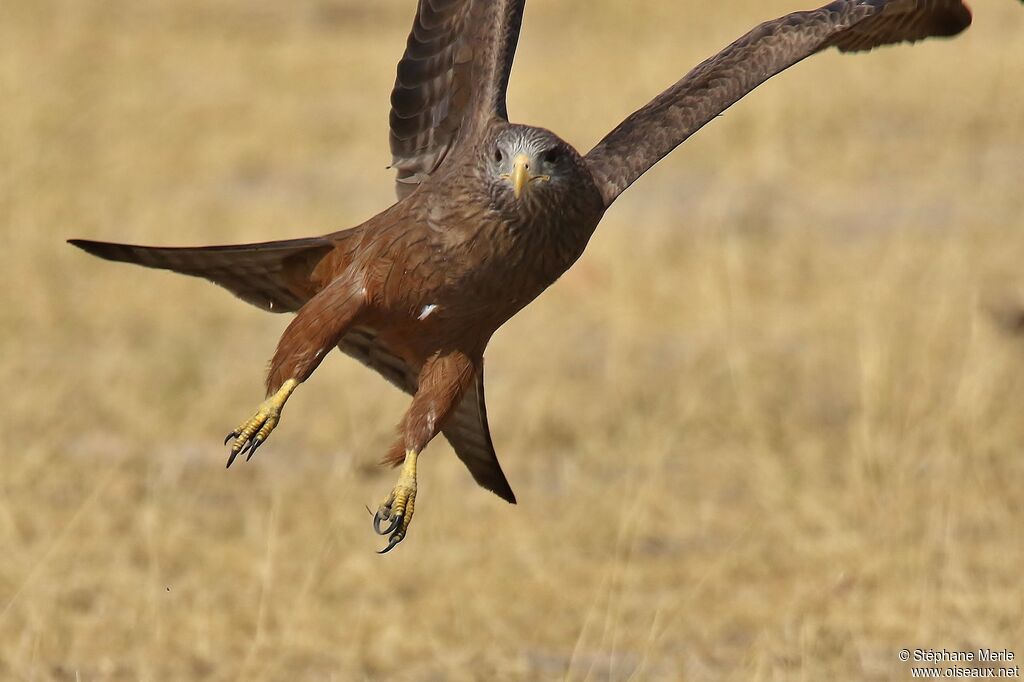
point(254, 431)
point(398, 507)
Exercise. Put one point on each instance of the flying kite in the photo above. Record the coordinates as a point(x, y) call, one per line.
point(489, 214)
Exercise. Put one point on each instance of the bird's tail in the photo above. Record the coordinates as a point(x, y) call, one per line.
point(276, 276)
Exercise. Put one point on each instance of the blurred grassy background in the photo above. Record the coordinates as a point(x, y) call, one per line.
point(765, 430)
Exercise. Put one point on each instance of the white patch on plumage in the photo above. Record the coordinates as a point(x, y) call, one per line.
point(427, 311)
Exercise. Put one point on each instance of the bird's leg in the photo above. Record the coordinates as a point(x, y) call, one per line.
point(442, 382)
point(316, 329)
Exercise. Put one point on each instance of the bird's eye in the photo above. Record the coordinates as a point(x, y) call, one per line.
point(498, 156)
point(552, 155)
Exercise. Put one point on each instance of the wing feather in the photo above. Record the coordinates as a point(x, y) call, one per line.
point(652, 132)
point(450, 81)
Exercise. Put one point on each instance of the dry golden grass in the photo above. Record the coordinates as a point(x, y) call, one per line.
point(765, 430)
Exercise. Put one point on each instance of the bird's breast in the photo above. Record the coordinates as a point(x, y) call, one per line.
point(467, 267)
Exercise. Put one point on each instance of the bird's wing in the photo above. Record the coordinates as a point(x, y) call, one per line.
point(276, 276)
point(466, 428)
point(451, 81)
point(650, 133)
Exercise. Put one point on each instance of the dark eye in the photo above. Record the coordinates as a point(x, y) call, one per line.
point(498, 156)
point(552, 155)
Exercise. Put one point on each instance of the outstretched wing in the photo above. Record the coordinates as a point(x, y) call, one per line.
point(276, 276)
point(649, 134)
point(451, 80)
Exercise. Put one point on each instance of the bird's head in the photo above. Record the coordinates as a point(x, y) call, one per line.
point(529, 164)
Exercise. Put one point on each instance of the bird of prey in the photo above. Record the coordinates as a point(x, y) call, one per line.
point(489, 214)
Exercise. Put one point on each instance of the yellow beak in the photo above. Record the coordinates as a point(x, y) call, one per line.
point(520, 174)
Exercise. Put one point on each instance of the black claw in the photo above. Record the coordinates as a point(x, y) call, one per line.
point(231, 459)
point(378, 517)
point(230, 436)
point(255, 444)
point(395, 524)
point(392, 543)
point(248, 448)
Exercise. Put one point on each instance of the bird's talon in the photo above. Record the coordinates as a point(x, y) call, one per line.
point(377, 518)
point(396, 522)
point(385, 515)
point(392, 543)
point(255, 444)
point(398, 507)
point(250, 435)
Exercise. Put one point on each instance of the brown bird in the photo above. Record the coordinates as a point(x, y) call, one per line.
point(489, 215)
